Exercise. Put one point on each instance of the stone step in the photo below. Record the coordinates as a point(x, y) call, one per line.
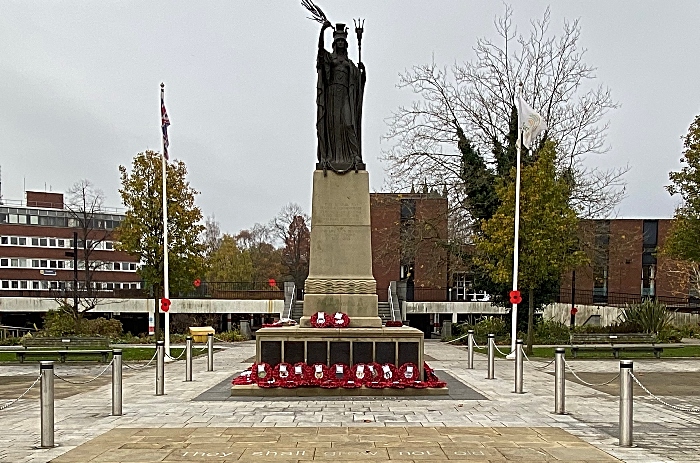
point(384, 310)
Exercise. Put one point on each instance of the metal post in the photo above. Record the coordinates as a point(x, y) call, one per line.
point(626, 403)
point(492, 355)
point(117, 382)
point(46, 402)
point(519, 366)
point(470, 349)
point(210, 352)
point(188, 358)
point(160, 367)
point(559, 381)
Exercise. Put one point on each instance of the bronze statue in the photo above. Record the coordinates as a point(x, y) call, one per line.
point(339, 90)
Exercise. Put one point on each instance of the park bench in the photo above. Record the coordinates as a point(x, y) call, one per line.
point(615, 342)
point(64, 347)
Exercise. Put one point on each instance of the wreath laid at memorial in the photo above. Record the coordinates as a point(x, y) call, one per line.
point(324, 320)
point(372, 375)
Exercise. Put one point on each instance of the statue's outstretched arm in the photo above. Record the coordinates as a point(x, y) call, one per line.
point(325, 26)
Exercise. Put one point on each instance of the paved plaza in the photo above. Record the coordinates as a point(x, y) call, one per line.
point(195, 421)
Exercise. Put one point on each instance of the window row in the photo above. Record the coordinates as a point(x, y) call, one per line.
point(53, 242)
point(48, 221)
point(46, 285)
point(19, 262)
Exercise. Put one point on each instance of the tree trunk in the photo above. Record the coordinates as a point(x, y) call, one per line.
point(530, 320)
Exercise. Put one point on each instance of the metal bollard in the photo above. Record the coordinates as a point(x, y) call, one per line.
point(559, 381)
point(210, 352)
point(160, 367)
point(492, 356)
point(117, 382)
point(518, 366)
point(188, 358)
point(626, 403)
point(46, 403)
point(470, 349)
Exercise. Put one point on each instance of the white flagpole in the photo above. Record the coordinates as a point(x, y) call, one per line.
point(166, 286)
point(516, 250)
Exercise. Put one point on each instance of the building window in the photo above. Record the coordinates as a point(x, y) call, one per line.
point(601, 260)
point(4, 262)
point(117, 266)
point(4, 240)
point(23, 241)
point(43, 242)
point(649, 280)
point(14, 241)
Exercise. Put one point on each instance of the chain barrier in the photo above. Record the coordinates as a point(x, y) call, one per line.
point(457, 339)
point(141, 366)
point(500, 351)
point(89, 380)
point(535, 366)
point(478, 346)
point(586, 382)
point(220, 340)
point(12, 402)
point(178, 357)
point(675, 407)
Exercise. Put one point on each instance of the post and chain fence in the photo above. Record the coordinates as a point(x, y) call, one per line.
point(586, 382)
point(142, 366)
point(12, 402)
point(663, 402)
point(89, 380)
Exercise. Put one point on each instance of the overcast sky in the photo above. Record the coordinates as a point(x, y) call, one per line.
point(79, 89)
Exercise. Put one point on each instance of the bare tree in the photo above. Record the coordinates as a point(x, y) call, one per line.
point(211, 236)
point(85, 204)
point(279, 226)
point(477, 98)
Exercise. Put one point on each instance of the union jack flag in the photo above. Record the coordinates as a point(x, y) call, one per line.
point(164, 122)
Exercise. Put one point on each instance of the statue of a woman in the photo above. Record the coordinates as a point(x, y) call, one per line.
point(339, 93)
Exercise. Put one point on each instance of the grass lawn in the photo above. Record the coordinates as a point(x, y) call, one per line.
point(669, 352)
point(129, 354)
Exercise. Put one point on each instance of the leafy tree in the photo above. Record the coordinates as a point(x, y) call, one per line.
point(141, 231)
point(295, 255)
point(266, 259)
point(460, 132)
point(682, 242)
point(548, 231)
point(229, 263)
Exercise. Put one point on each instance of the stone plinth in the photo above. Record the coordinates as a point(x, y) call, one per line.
point(340, 260)
point(292, 344)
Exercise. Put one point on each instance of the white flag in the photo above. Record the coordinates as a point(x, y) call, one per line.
point(529, 121)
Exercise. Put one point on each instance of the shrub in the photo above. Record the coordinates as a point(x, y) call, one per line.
point(549, 331)
point(487, 325)
point(647, 317)
point(58, 323)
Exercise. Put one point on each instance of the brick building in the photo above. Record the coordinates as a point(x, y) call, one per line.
point(36, 245)
point(626, 264)
point(409, 233)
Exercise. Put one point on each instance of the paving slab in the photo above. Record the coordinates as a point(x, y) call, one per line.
point(368, 444)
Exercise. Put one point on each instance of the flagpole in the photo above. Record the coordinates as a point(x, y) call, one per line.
point(166, 286)
point(516, 249)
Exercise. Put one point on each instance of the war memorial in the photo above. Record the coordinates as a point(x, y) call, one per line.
point(340, 346)
point(340, 386)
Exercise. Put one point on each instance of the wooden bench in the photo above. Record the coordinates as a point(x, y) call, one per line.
point(64, 347)
point(615, 342)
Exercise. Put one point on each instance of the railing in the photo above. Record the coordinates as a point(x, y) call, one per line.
point(50, 205)
point(391, 304)
point(588, 297)
point(291, 302)
point(13, 331)
point(236, 290)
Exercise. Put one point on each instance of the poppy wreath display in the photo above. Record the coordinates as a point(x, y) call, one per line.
point(321, 320)
point(261, 373)
point(409, 374)
point(374, 377)
point(283, 375)
point(301, 374)
point(319, 374)
point(360, 374)
point(394, 324)
point(244, 378)
point(340, 320)
point(389, 375)
point(431, 380)
point(343, 376)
